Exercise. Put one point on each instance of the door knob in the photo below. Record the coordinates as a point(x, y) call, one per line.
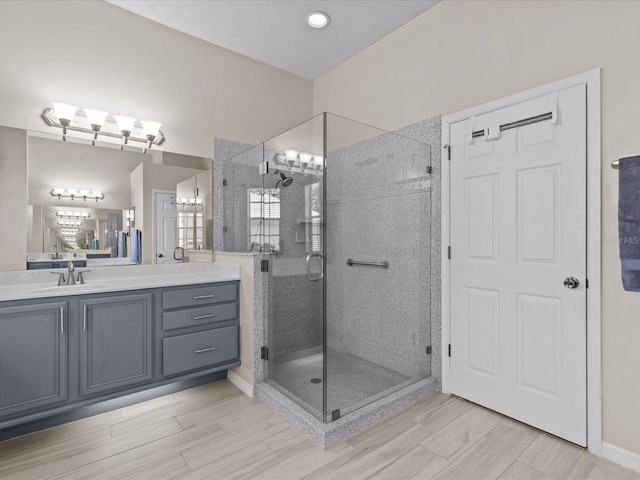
point(571, 282)
point(161, 255)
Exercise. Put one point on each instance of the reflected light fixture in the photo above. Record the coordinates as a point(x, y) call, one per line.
point(305, 159)
point(318, 19)
point(69, 214)
point(74, 193)
point(100, 125)
point(69, 223)
point(291, 156)
point(299, 161)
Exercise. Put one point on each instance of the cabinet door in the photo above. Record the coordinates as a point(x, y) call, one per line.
point(33, 357)
point(116, 342)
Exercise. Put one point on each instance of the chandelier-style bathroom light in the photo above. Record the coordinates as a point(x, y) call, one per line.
point(74, 193)
point(98, 123)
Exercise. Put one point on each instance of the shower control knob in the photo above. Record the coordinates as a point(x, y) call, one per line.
point(571, 282)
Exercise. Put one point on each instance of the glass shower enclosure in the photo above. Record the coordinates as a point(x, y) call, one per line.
point(342, 213)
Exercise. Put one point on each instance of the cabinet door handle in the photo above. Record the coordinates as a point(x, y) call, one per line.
point(202, 350)
point(200, 297)
point(84, 318)
point(61, 320)
point(200, 317)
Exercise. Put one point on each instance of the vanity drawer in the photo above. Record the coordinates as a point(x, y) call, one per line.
point(199, 350)
point(195, 296)
point(199, 316)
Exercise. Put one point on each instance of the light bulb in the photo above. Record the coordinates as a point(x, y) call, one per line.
point(64, 111)
point(95, 117)
point(150, 127)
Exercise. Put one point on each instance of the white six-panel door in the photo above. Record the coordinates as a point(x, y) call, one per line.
point(518, 230)
point(166, 227)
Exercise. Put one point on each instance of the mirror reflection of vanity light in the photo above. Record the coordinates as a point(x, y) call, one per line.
point(69, 223)
point(73, 193)
point(69, 214)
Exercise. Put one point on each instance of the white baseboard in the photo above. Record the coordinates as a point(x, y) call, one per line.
point(244, 386)
point(621, 456)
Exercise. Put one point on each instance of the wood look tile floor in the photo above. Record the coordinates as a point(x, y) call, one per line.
point(216, 432)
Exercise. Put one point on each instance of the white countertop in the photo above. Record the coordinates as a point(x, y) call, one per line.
point(20, 285)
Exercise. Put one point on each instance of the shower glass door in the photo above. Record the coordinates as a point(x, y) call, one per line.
point(378, 263)
point(288, 212)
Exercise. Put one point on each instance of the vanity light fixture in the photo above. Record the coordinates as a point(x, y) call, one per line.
point(69, 223)
point(74, 193)
point(125, 124)
point(122, 129)
point(305, 159)
point(318, 19)
point(291, 156)
point(65, 113)
point(96, 120)
point(151, 130)
point(69, 214)
point(300, 162)
point(188, 201)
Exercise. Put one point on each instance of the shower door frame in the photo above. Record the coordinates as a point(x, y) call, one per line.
point(592, 79)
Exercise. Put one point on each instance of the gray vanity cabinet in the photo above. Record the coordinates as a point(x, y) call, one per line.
point(116, 338)
point(33, 357)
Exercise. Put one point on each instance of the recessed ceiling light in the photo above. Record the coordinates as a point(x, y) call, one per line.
point(318, 19)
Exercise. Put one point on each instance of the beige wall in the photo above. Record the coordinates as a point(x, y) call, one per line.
point(13, 198)
point(97, 55)
point(244, 371)
point(464, 53)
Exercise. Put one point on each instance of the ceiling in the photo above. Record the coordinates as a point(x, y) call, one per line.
point(275, 31)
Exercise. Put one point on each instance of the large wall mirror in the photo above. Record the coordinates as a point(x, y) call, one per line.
point(133, 220)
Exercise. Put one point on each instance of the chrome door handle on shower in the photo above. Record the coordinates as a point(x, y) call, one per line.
point(317, 276)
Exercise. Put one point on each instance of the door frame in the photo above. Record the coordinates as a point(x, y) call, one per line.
point(592, 80)
point(154, 208)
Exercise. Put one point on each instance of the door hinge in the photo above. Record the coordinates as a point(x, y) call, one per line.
point(264, 168)
point(224, 229)
point(449, 253)
point(586, 283)
point(448, 149)
point(429, 170)
point(264, 265)
point(224, 182)
point(429, 350)
point(449, 349)
point(335, 415)
point(264, 353)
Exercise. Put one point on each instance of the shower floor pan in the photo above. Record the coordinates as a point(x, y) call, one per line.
point(351, 381)
point(364, 392)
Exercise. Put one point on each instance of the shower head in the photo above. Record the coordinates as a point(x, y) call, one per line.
point(286, 181)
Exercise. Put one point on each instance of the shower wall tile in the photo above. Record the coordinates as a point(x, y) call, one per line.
point(383, 205)
point(223, 151)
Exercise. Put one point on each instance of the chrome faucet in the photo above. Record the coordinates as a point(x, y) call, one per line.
point(71, 279)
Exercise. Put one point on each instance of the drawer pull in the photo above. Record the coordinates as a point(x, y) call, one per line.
point(201, 297)
point(203, 350)
point(200, 317)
